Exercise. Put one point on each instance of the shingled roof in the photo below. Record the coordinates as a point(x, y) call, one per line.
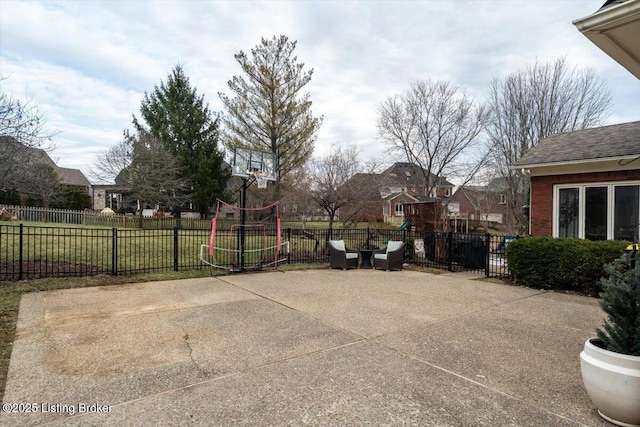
point(73, 177)
point(606, 142)
point(405, 173)
point(25, 155)
point(610, 3)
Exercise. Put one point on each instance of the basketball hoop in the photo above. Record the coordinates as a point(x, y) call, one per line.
point(261, 178)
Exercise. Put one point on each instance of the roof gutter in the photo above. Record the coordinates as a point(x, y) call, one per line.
point(630, 159)
point(608, 17)
point(599, 27)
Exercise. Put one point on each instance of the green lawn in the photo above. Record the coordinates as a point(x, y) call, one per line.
point(89, 250)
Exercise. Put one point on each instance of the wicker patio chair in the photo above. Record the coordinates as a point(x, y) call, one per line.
point(342, 257)
point(390, 258)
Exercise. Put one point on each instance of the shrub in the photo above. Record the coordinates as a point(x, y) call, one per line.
point(621, 302)
point(562, 264)
point(9, 197)
point(72, 198)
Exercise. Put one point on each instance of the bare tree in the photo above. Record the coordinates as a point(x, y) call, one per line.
point(22, 126)
point(154, 173)
point(297, 203)
point(433, 124)
point(531, 104)
point(111, 162)
point(330, 179)
point(374, 165)
point(41, 180)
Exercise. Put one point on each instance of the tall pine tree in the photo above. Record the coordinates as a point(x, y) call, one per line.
point(268, 111)
point(175, 114)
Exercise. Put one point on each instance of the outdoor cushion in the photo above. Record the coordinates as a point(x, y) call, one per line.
point(351, 255)
point(338, 244)
point(392, 246)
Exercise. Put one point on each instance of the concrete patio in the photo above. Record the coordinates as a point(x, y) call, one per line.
point(314, 347)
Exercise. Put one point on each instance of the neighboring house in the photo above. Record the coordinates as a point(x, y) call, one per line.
point(368, 206)
point(405, 183)
point(586, 183)
point(69, 178)
point(383, 196)
point(615, 28)
point(481, 203)
point(73, 178)
point(115, 196)
point(404, 177)
point(393, 208)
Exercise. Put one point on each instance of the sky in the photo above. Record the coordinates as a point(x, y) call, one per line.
point(88, 64)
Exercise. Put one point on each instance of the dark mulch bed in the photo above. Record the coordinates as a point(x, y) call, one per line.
point(10, 270)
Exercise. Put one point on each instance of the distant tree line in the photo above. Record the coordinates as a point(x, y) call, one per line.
point(174, 156)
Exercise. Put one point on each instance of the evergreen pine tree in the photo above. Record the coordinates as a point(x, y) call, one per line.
point(175, 114)
point(621, 302)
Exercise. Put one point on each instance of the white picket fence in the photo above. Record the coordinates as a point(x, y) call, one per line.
point(89, 217)
point(38, 214)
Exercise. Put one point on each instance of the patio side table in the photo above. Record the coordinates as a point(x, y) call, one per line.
point(365, 256)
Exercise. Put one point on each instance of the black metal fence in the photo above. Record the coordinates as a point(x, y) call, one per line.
point(29, 252)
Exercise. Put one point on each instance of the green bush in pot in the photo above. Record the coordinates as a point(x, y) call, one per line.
point(610, 364)
point(621, 302)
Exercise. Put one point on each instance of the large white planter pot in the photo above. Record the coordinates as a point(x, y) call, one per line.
point(612, 381)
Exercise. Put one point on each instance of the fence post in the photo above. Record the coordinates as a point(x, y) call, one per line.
point(450, 251)
point(175, 248)
point(487, 255)
point(114, 251)
point(290, 244)
point(20, 244)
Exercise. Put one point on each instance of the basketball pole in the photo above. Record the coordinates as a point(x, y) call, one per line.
point(243, 221)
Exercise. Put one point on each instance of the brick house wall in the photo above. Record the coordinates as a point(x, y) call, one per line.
point(365, 211)
point(476, 204)
point(541, 205)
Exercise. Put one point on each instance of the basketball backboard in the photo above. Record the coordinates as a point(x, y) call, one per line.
point(247, 161)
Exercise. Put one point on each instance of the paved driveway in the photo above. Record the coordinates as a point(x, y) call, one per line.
point(316, 347)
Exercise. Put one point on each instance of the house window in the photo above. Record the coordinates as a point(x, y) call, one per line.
point(399, 210)
point(568, 212)
point(597, 211)
point(447, 192)
point(626, 209)
point(502, 199)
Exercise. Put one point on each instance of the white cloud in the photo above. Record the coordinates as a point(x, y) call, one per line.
point(88, 64)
